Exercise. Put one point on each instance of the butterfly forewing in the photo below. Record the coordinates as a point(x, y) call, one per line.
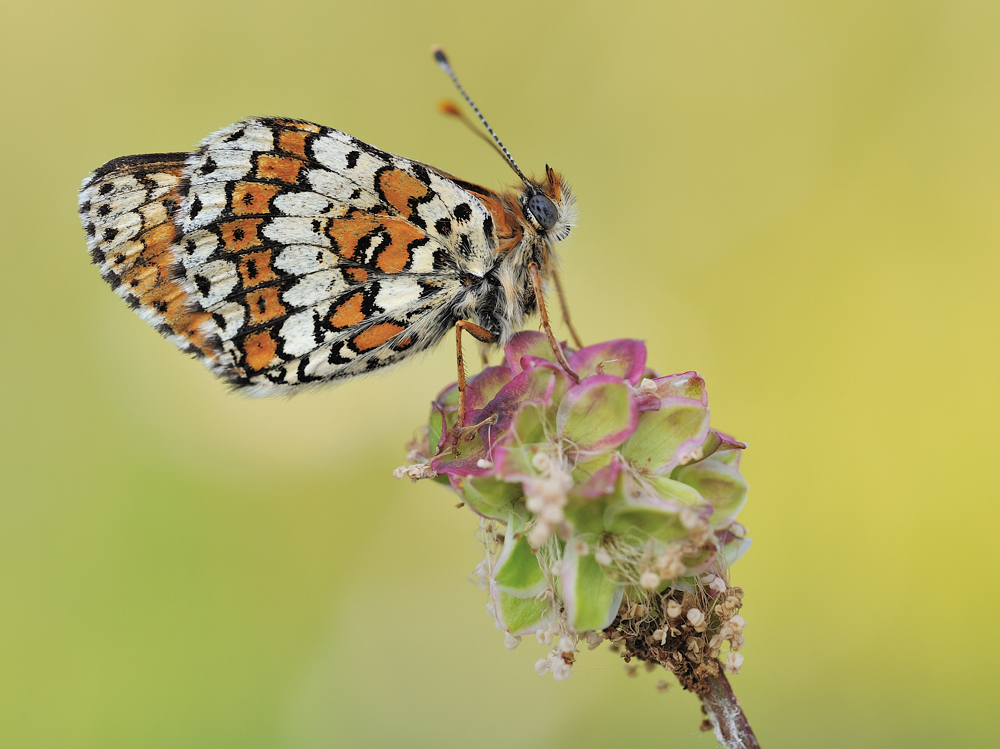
point(284, 253)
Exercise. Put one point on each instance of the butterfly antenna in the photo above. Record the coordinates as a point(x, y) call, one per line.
point(450, 108)
point(442, 61)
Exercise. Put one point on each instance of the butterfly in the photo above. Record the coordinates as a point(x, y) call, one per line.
point(284, 254)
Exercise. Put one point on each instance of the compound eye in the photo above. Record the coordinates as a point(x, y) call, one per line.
point(543, 210)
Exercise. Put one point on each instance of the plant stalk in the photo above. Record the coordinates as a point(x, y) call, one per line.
point(730, 724)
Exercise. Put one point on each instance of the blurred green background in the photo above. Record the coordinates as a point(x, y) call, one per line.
point(798, 200)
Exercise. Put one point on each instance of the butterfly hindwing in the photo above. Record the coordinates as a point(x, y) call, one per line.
point(128, 208)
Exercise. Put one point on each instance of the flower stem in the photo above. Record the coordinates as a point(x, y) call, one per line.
point(719, 703)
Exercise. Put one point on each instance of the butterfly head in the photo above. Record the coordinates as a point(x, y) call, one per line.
point(549, 205)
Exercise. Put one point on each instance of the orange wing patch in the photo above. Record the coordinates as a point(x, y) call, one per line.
point(157, 241)
point(283, 168)
point(264, 305)
point(394, 257)
point(348, 313)
point(350, 230)
point(293, 141)
point(142, 278)
point(401, 190)
point(240, 234)
point(259, 350)
point(376, 335)
point(256, 268)
point(252, 198)
point(358, 275)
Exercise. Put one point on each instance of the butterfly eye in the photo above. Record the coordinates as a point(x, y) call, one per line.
point(543, 210)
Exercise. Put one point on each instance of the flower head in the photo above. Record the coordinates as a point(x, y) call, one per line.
point(606, 505)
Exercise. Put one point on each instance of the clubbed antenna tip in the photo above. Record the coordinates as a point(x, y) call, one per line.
point(447, 106)
point(442, 61)
point(440, 57)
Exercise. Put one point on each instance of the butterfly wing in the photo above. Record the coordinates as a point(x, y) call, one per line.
point(128, 208)
point(298, 254)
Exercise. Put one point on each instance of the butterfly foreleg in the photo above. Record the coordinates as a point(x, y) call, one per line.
point(536, 283)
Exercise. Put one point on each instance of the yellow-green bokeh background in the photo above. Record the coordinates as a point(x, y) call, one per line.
point(799, 200)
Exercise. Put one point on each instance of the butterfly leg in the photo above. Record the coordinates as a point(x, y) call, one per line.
point(565, 310)
point(480, 334)
point(460, 431)
point(536, 283)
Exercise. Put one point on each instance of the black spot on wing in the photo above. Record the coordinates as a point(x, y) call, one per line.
point(428, 287)
point(300, 371)
point(421, 173)
point(204, 286)
point(464, 246)
point(488, 229)
point(336, 354)
point(369, 149)
point(463, 212)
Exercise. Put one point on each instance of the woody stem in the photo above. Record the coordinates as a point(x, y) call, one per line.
point(728, 720)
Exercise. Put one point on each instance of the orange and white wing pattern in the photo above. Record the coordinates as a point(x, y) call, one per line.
point(284, 253)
